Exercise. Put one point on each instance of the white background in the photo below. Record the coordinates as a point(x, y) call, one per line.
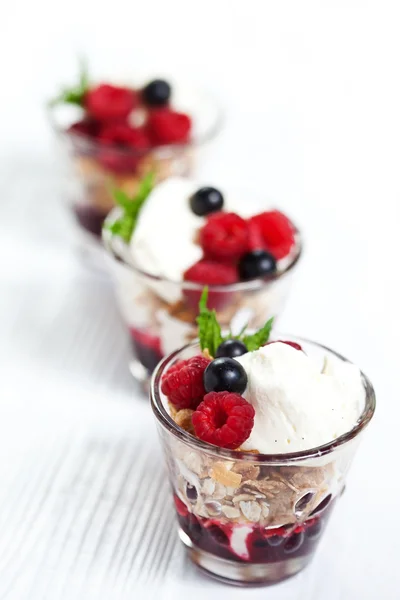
point(312, 99)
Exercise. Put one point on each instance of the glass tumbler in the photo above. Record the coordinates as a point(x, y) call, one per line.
point(248, 518)
point(160, 314)
point(92, 170)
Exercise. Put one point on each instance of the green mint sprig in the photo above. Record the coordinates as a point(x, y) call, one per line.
point(75, 94)
point(124, 226)
point(210, 330)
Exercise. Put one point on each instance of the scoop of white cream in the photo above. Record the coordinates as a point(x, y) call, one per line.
point(298, 407)
point(164, 239)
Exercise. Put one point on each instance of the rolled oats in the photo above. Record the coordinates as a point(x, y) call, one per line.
point(230, 511)
point(208, 486)
point(213, 508)
point(251, 510)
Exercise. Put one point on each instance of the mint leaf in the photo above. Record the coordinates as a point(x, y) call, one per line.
point(75, 94)
point(125, 225)
point(209, 328)
point(259, 338)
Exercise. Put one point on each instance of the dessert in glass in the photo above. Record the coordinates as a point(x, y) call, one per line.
point(258, 442)
point(170, 240)
point(113, 134)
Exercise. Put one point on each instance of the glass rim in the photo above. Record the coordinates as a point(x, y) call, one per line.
point(169, 424)
point(199, 140)
point(239, 286)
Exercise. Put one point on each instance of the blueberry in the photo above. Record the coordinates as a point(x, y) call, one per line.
point(257, 263)
point(225, 375)
point(157, 93)
point(231, 348)
point(205, 201)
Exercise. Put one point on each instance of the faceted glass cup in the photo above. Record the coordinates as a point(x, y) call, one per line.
point(92, 169)
point(160, 314)
point(249, 518)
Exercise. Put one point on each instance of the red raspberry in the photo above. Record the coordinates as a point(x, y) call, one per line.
point(110, 103)
point(223, 419)
point(293, 344)
point(276, 230)
point(123, 135)
point(123, 147)
point(183, 382)
point(169, 127)
point(224, 237)
point(208, 272)
point(86, 127)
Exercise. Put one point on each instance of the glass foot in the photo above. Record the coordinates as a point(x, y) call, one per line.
point(242, 573)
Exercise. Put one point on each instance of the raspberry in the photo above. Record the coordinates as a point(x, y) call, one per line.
point(183, 382)
point(276, 230)
point(123, 135)
point(86, 127)
point(223, 419)
point(208, 272)
point(123, 147)
point(169, 127)
point(293, 344)
point(224, 237)
point(110, 103)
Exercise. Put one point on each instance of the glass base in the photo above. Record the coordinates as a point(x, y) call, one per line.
point(242, 573)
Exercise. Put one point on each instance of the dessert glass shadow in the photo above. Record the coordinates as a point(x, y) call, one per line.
point(250, 518)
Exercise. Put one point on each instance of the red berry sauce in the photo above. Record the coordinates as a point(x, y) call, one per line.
point(264, 545)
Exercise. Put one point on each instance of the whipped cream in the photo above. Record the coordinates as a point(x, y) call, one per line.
point(163, 243)
point(298, 407)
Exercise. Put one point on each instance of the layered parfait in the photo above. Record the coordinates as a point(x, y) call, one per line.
point(116, 134)
point(258, 433)
point(173, 238)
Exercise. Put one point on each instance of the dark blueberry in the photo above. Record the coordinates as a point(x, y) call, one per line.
point(231, 348)
point(205, 201)
point(294, 542)
point(322, 505)
point(191, 492)
point(257, 263)
point(225, 375)
point(157, 93)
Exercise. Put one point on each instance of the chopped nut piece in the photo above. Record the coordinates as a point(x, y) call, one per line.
point(251, 510)
point(183, 418)
point(230, 511)
point(220, 473)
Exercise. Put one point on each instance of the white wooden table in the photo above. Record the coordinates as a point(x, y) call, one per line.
point(85, 510)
